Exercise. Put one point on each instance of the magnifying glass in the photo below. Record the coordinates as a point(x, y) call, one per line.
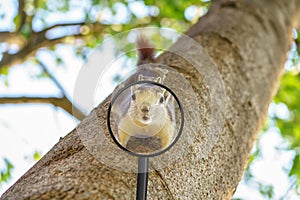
point(145, 119)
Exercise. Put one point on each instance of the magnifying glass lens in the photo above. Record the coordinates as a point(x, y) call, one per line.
point(144, 116)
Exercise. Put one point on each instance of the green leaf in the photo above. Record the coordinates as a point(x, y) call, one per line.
point(96, 2)
point(298, 37)
point(149, 2)
point(41, 3)
point(26, 30)
point(254, 155)
point(9, 165)
point(266, 190)
point(5, 174)
point(65, 7)
point(17, 20)
point(43, 74)
point(37, 156)
point(6, 82)
point(59, 60)
point(295, 170)
point(4, 70)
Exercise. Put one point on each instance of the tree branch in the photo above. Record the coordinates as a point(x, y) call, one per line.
point(12, 38)
point(63, 103)
point(76, 110)
point(39, 39)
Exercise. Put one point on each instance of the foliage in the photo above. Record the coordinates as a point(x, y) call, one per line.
point(84, 32)
point(5, 174)
point(288, 123)
point(289, 94)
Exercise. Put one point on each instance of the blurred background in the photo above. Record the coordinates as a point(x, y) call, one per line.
point(43, 45)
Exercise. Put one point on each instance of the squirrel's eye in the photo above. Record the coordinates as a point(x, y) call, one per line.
point(133, 97)
point(161, 100)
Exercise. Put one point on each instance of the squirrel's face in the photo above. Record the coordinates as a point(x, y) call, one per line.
point(148, 106)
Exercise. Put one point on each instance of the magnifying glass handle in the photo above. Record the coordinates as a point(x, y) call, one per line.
point(142, 178)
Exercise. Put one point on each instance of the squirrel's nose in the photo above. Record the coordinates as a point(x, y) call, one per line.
point(145, 109)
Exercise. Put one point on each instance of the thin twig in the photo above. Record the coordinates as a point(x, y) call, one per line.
point(52, 77)
point(22, 13)
point(76, 111)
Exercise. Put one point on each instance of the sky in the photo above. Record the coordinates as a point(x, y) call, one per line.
point(27, 128)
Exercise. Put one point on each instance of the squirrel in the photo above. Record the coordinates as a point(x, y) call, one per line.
point(146, 110)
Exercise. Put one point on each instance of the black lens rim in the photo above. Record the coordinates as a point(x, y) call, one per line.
point(139, 154)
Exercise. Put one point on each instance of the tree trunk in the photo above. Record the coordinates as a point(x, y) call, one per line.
point(248, 41)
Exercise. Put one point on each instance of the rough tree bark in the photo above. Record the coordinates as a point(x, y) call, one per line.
point(248, 40)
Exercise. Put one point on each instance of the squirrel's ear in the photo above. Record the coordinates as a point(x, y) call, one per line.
point(158, 79)
point(167, 95)
point(133, 89)
point(140, 77)
point(163, 73)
